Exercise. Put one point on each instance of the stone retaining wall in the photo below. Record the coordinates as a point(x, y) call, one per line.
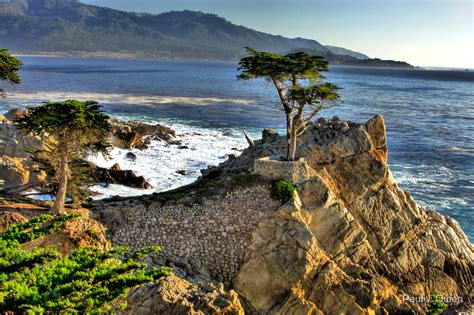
point(213, 238)
point(295, 172)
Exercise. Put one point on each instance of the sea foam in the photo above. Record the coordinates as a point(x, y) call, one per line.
point(159, 164)
point(19, 97)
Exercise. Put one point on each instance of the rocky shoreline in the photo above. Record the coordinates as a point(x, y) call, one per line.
point(18, 171)
point(349, 242)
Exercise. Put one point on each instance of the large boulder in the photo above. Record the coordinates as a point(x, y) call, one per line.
point(15, 113)
point(172, 295)
point(15, 143)
point(12, 172)
point(351, 241)
point(157, 131)
point(9, 218)
point(127, 140)
point(130, 135)
point(115, 175)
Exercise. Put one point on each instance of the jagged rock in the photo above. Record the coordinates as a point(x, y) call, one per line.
point(131, 156)
point(129, 135)
point(3, 118)
point(172, 295)
point(8, 218)
point(12, 172)
point(158, 131)
point(352, 242)
point(269, 135)
point(182, 172)
point(176, 142)
point(15, 113)
point(14, 142)
point(127, 140)
point(82, 231)
point(115, 175)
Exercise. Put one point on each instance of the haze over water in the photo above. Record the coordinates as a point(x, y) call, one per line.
point(429, 117)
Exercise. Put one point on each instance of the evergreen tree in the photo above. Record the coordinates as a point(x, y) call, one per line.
point(71, 130)
point(9, 67)
point(297, 79)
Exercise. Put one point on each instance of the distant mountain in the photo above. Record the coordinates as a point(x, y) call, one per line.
point(343, 51)
point(71, 27)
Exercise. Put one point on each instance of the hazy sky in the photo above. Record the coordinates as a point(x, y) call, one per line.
point(421, 32)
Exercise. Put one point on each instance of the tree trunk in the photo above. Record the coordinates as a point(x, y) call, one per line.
point(289, 123)
point(58, 206)
point(293, 145)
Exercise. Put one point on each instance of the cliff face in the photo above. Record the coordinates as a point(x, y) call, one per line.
point(351, 241)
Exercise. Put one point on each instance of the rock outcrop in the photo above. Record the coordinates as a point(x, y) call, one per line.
point(351, 241)
point(79, 232)
point(13, 172)
point(172, 295)
point(115, 175)
point(136, 134)
point(9, 218)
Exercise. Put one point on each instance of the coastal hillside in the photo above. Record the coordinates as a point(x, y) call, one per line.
point(71, 27)
point(347, 52)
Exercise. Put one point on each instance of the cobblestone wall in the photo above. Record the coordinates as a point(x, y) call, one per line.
point(214, 237)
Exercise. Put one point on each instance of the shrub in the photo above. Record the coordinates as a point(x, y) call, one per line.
point(436, 305)
point(246, 179)
point(283, 191)
point(88, 280)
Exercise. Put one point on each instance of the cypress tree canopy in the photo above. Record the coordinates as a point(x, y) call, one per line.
point(9, 67)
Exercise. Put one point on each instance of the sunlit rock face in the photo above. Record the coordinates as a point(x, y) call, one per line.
point(351, 241)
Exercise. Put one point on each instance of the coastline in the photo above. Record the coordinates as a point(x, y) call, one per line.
point(137, 56)
point(132, 56)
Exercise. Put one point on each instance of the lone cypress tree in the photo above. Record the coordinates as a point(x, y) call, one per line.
point(72, 130)
point(9, 67)
point(297, 79)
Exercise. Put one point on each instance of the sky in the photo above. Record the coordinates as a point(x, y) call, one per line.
point(437, 33)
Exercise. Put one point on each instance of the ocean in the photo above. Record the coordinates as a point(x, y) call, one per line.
point(429, 116)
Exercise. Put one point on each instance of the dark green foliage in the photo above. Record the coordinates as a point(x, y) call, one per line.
point(35, 228)
point(70, 130)
point(82, 125)
point(9, 67)
point(281, 67)
point(86, 281)
point(246, 179)
point(283, 191)
point(296, 77)
point(436, 305)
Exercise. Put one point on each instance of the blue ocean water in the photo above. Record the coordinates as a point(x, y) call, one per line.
point(429, 113)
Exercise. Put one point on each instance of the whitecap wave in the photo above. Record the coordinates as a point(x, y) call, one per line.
point(20, 97)
point(159, 164)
